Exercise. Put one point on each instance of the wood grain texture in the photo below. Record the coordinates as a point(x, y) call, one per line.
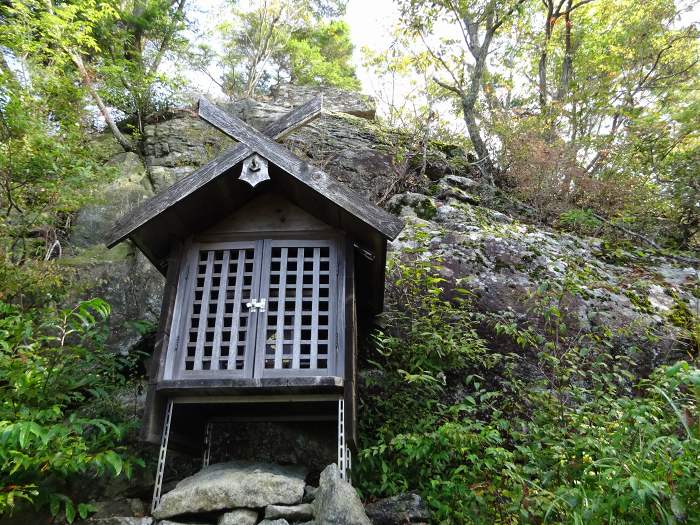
point(350, 375)
point(268, 212)
point(151, 426)
point(157, 204)
point(256, 386)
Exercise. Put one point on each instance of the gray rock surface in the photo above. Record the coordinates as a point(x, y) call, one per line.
point(168, 522)
point(334, 99)
point(289, 443)
point(128, 282)
point(301, 512)
point(121, 276)
point(274, 522)
point(129, 188)
point(110, 508)
point(398, 510)
point(231, 485)
point(503, 261)
point(336, 502)
point(413, 205)
point(309, 493)
point(239, 517)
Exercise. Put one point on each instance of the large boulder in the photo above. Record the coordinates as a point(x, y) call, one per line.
point(231, 485)
point(122, 276)
point(334, 99)
point(128, 282)
point(302, 512)
point(489, 252)
point(168, 522)
point(504, 261)
point(174, 148)
point(336, 501)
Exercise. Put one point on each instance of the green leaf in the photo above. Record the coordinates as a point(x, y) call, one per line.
point(84, 509)
point(70, 511)
point(678, 508)
point(114, 460)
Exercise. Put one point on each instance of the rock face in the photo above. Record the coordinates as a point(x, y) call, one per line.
point(336, 501)
point(239, 517)
point(503, 261)
point(122, 276)
point(486, 251)
point(231, 485)
point(398, 510)
point(340, 100)
point(349, 147)
point(130, 187)
point(175, 148)
point(302, 512)
point(313, 445)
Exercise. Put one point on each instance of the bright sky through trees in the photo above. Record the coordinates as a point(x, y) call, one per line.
point(371, 23)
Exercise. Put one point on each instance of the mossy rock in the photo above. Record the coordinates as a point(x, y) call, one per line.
point(416, 204)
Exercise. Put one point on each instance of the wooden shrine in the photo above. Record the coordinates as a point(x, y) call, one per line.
point(269, 265)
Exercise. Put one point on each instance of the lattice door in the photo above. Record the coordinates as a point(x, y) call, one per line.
point(297, 332)
point(219, 337)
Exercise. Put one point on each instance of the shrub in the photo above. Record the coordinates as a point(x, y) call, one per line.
point(560, 431)
point(57, 397)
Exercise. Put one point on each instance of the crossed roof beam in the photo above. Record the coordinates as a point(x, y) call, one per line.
point(251, 141)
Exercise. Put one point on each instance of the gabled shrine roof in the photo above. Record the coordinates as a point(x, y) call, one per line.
point(203, 181)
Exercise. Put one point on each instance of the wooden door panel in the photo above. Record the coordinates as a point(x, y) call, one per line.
point(297, 334)
point(294, 334)
point(219, 334)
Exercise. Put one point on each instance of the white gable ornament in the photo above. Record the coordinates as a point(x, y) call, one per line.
point(254, 170)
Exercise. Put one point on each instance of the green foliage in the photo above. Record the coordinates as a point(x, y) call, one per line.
point(583, 221)
point(285, 41)
point(48, 169)
point(321, 55)
point(553, 429)
point(113, 49)
point(606, 121)
point(58, 414)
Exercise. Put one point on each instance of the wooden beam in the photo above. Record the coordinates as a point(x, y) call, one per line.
point(372, 215)
point(157, 204)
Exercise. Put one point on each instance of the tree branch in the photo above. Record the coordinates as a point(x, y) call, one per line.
point(648, 241)
point(87, 81)
point(165, 43)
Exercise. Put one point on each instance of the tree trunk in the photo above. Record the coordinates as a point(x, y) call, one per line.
point(542, 66)
point(121, 139)
point(165, 44)
point(568, 62)
point(484, 163)
point(469, 100)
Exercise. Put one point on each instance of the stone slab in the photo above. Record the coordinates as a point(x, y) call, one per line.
point(233, 485)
